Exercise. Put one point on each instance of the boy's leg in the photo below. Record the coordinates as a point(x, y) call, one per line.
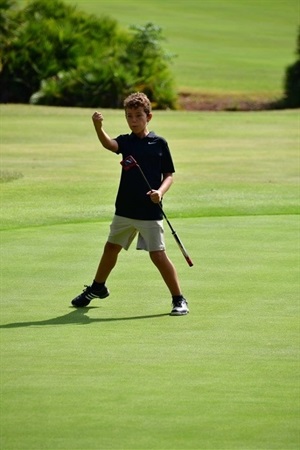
point(98, 288)
point(169, 274)
point(107, 261)
point(167, 271)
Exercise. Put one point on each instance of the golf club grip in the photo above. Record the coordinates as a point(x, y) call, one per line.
point(183, 250)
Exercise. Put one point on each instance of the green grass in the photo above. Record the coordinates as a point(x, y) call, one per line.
point(242, 163)
point(222, 46)
point(122, 374)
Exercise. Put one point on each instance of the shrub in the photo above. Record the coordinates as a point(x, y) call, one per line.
point(137, 64)
point(151, 65)
point(50, 37)
point(291, 97)
point(56, 55)
point(292, 81)
point(6, 22)
point(91, 84)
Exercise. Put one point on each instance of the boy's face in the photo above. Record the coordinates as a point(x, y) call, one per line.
point(137, 119)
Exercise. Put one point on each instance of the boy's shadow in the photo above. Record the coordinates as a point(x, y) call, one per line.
point(76, 316)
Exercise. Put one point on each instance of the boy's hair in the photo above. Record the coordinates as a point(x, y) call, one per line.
point(136, 100)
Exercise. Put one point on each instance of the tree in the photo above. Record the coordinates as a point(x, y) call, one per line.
point(56, 55)
point(50, 37)
point(292, 81)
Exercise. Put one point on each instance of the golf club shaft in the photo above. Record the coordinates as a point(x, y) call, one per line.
point(176, 237)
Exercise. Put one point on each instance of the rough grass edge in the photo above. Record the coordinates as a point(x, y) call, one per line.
point(197, 101)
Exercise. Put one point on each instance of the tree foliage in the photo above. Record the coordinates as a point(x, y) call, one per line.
point(292, 81)
point(53, 54)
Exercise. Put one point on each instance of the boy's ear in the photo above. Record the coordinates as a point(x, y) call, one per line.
point(149, 117)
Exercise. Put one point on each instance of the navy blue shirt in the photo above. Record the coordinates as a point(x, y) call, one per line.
point(153, 155)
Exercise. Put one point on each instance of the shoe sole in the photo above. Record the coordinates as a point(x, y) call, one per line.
point(84, 306)
point(179, 313)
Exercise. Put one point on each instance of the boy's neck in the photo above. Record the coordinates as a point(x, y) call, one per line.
point(143, 133)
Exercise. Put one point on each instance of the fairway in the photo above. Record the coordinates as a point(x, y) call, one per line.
point(123, 374)
point(222, 47)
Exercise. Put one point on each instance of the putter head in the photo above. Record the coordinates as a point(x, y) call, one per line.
point(128, 162)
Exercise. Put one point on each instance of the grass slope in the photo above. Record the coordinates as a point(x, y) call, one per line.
point(233, 164)
point(222, 46)
point(122, 374)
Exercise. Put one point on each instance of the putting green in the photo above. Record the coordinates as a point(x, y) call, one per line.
point(123, 374)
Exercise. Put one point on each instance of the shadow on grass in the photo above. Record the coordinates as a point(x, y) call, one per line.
point(77, 316)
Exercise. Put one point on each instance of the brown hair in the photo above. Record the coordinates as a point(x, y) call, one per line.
point(136, 100)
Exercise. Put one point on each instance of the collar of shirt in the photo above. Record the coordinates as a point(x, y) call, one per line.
point(150, 136)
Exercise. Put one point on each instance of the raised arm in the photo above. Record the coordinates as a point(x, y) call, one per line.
point(104, 138)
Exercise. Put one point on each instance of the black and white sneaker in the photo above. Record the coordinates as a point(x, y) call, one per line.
point(180, 307)
point(89, 294)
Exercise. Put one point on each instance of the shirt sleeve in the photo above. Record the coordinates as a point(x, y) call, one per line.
point(167, 165)
point(121, 139)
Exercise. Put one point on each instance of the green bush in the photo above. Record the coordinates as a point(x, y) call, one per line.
point(136, 64)
point(292, 81)
point(6, 22)
point(50, 37)
point(53, 54)
point(150, 64)
point(91, 84)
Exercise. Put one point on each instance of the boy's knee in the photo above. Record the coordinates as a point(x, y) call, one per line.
point(157, 256)
point(112, 248)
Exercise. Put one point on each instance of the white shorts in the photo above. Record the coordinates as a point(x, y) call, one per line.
point(150, 233)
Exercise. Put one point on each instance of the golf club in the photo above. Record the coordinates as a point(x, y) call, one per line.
point(128, 163)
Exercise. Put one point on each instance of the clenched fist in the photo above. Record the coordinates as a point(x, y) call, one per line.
point(155, 195)
point(97, 117)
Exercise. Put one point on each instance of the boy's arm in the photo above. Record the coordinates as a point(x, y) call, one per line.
point(157, 195)
point(104, 138)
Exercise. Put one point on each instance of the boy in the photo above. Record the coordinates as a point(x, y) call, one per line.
point(137, 208)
